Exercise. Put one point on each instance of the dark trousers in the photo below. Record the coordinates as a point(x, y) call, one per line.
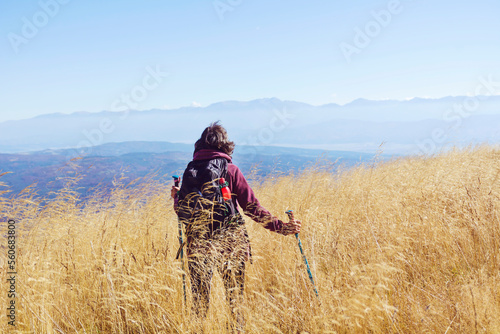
point(233, 276)
point(226, 251)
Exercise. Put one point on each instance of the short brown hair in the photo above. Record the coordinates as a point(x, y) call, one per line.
point(214, 137)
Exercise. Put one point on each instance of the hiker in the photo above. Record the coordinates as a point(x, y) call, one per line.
point(215, 230)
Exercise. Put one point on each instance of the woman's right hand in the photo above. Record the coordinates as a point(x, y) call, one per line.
point(292, 227)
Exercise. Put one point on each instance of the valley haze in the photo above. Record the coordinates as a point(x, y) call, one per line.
point(413, 126)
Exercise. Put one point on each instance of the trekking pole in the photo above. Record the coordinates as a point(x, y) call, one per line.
point(290, 216)
point(177, 180)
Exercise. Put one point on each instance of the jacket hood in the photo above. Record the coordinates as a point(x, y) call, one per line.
point(207, 154)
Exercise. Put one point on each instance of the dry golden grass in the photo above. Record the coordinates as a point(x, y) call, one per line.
point(407, 246)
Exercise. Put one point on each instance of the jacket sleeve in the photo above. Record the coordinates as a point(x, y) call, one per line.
point(249, 203)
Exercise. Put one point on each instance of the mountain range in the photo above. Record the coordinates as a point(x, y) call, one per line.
point(404, 127)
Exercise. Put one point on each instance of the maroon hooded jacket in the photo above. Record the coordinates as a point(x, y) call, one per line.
point(242, 194)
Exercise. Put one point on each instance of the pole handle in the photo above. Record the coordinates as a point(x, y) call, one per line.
point(177, 180)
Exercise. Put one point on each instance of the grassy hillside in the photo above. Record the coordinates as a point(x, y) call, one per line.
point(407, 246)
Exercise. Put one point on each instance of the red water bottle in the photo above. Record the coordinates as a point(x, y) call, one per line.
point(226, 193)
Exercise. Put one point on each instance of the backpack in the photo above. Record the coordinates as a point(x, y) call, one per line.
point(202, 207)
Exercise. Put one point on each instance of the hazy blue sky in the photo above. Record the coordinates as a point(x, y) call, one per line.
point(84, 55)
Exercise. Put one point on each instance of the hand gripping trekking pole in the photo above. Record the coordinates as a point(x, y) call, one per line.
point(177, 180)
point(290, 216)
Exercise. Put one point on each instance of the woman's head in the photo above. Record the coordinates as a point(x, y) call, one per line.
point(214, 137)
